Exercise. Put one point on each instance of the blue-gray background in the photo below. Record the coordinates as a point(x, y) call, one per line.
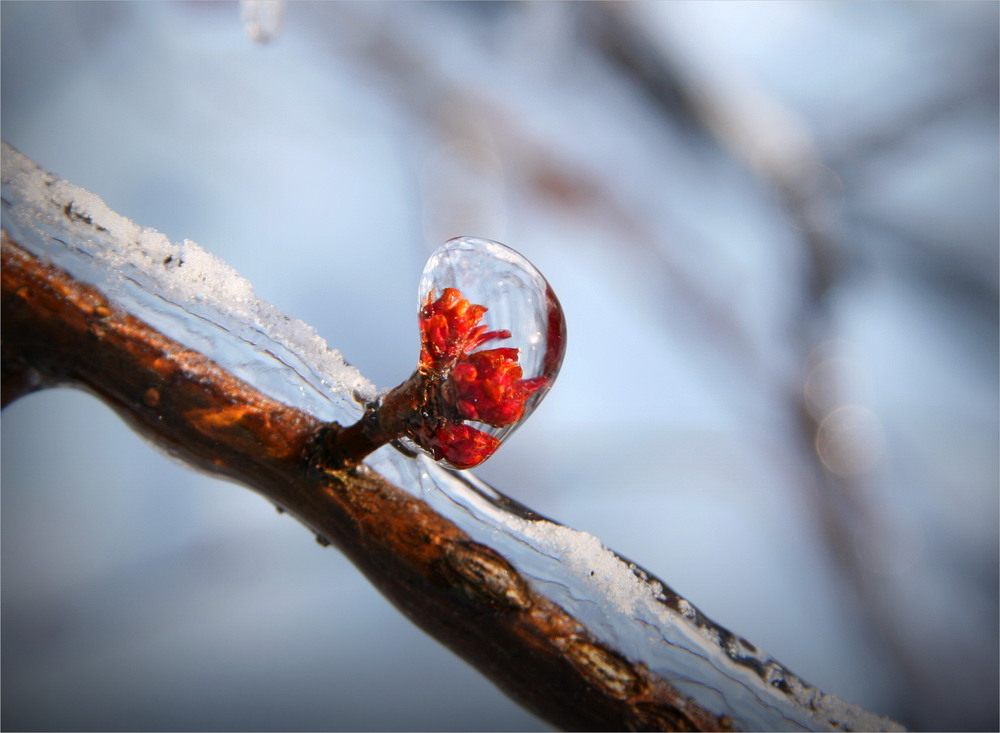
point(763, 221)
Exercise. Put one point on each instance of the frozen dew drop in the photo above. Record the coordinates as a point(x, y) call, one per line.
point(493, 336)
point(262, 19)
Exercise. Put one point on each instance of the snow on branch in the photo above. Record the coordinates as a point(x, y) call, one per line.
point(177, 342)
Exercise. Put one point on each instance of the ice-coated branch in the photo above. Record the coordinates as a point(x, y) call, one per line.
point(579, 635)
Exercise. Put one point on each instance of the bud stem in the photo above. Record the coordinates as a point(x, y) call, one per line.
point(383, 421)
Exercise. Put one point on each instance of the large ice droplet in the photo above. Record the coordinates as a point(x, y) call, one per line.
point(493, 333)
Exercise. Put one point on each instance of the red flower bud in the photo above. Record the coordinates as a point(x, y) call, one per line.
point(464, 398)
point(461, 445)
point(449, 327)
point(484, 386)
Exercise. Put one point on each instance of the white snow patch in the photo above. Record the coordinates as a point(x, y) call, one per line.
point(585, 555)
point(183, 274)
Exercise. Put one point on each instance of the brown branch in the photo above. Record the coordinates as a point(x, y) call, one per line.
point(57, 330)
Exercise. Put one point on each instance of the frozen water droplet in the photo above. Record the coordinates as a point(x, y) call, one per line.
point(493, 333)
point(262, 19)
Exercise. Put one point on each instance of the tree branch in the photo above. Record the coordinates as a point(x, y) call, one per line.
point(462, 592)
point(59, 330)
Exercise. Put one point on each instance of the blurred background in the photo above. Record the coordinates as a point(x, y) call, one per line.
point(773, 228)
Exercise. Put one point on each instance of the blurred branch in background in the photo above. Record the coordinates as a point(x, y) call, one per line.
point(841, 442)
point(773, 227)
